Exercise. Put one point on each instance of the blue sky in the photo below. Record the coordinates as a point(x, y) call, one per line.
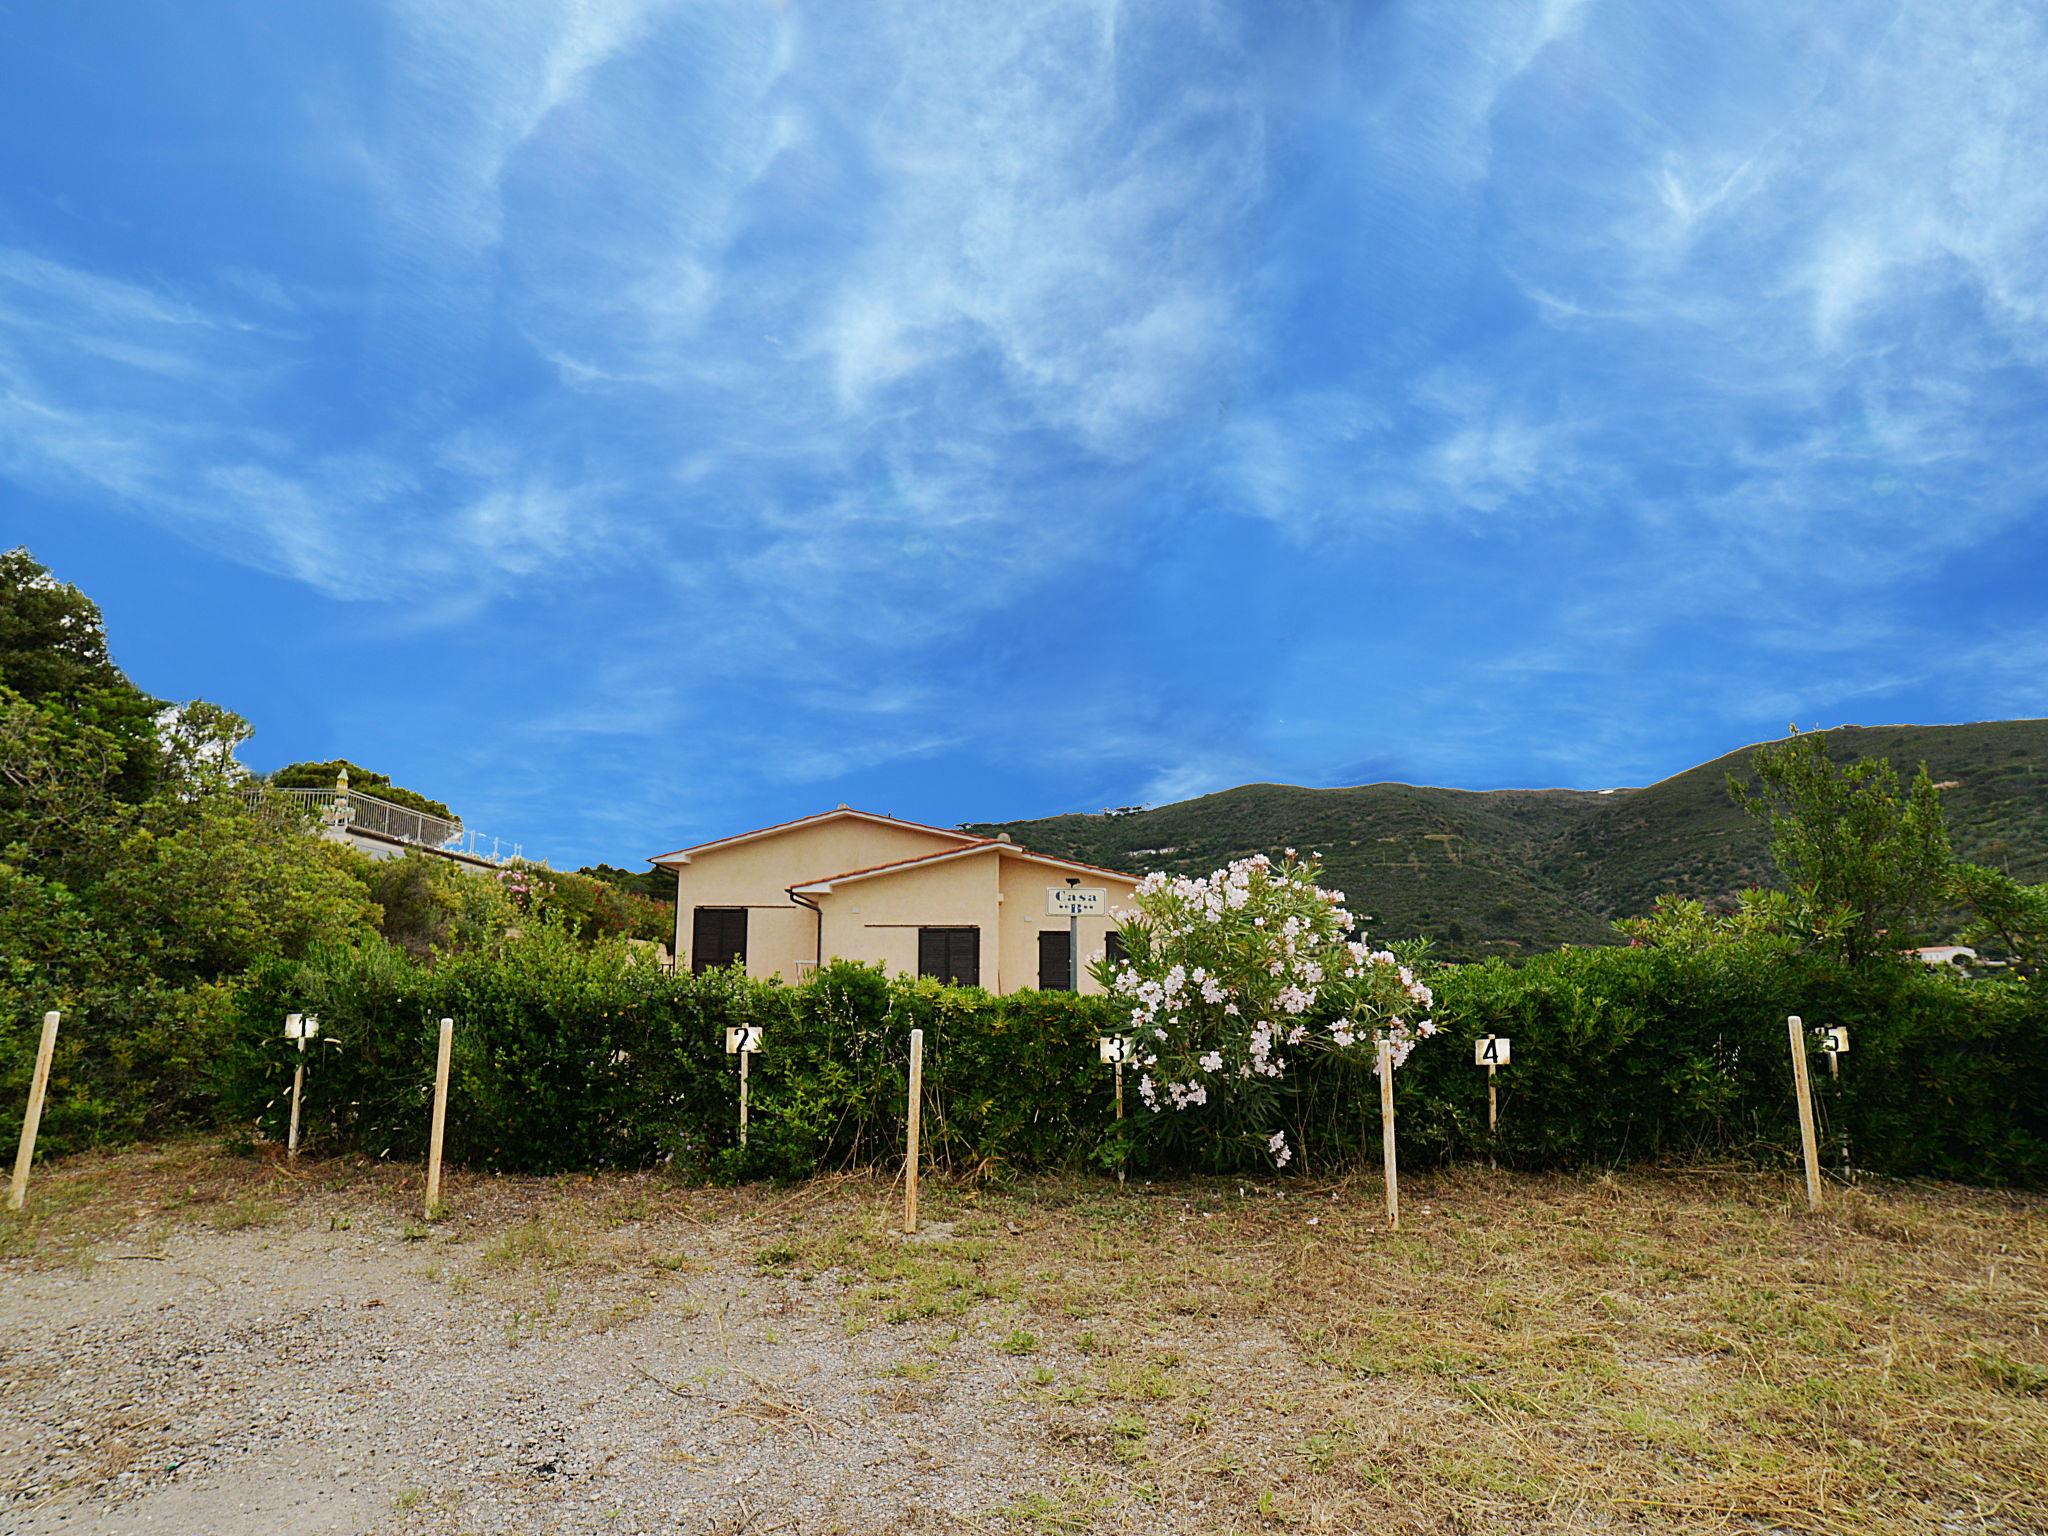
point(631, 422)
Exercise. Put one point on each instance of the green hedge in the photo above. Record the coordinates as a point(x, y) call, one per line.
point(573, 1056)
point(1637, 1054)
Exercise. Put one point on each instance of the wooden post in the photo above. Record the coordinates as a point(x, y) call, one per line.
point(37, 1086)
point(1387, 1135)
point(291, 1141)
point(743, 1099)
point(1119, 1087)
point(915, 1128)
point(1492, 1101)
point(1809, 1146)
point(440, 1118)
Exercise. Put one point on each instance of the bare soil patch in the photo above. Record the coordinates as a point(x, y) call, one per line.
point(196, 1342)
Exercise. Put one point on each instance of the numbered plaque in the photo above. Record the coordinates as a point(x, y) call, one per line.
point(1115, 1048)
point(1490, 1052)
point(301, 1026)
point(746, 1037)
point(1835, 1039)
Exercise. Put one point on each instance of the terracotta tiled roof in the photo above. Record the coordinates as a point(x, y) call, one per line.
point(981, 845)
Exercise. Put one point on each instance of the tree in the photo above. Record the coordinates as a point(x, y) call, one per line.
point(654, 884)
point(53, 655)
point(1684, 923)
point(431, 903)
point(53, 643)
point(2009, 917)
point(1868, 866)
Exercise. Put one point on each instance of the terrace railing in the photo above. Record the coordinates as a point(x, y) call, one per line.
point(353, 811)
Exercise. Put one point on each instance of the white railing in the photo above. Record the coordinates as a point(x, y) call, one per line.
point(382, 818)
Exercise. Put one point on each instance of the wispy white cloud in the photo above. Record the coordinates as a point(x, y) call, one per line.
point(802, 370)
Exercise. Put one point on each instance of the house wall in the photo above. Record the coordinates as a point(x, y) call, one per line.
point(1024, 918)
point(876, 920)
point(757, 874)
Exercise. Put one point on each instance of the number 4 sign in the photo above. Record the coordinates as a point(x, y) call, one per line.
point(1491, 1052)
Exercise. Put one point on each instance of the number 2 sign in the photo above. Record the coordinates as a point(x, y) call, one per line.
point(743, 1041)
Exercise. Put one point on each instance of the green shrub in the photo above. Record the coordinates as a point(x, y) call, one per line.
point(1641, 1054)
point(575, 1055)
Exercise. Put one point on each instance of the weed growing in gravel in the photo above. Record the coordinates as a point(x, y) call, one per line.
point(532, 1244)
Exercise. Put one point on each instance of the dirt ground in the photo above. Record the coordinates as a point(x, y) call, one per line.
point(194, 1342)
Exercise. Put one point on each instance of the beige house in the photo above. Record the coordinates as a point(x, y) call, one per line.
point(849, 885)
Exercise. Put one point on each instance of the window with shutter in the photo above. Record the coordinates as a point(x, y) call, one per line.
point(1055, 961)
point(1113, 946)
point(718, 936)
point(953, 955)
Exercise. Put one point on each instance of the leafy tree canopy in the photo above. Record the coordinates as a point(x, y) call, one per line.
point(1868, 866)
point(53, 643)
point(655, 884)
point(2010, 920)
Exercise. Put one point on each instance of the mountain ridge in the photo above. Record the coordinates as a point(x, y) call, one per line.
point(1509, 871)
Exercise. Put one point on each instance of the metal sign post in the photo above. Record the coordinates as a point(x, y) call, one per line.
point(1073, 903)
point(742, 1042)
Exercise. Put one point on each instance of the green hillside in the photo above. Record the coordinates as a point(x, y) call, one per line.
point(1509, 871)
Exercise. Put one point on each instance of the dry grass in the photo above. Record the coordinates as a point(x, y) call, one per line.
point(1671, 1351)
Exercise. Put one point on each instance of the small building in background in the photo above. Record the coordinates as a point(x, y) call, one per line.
point(1945, 954)
point(918, 900)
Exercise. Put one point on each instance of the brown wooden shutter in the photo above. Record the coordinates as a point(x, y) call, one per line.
point(951, 955)
point(1055, 961)
point(966, 957)
point(718, 936)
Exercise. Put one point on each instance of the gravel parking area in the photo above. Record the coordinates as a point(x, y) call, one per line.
point(194, 1342)
point(332, 1365)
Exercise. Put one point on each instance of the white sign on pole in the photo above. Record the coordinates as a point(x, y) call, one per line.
point(1835, 1040)
point(746, 1037)
point(1490, 1052)
point(1067, 901)
point(1114, 1048)
point(301, 1026)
